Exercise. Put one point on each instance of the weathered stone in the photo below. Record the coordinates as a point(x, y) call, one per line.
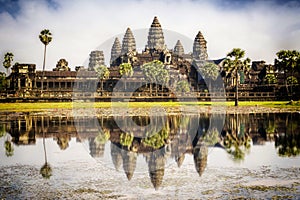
point(178, 49)
point(96, 58)
point(128, 43)
point(62, 65)
point(155, 36)
point(115, 50)
point(199, 48)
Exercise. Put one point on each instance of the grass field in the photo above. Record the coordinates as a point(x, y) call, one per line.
point(69, 105)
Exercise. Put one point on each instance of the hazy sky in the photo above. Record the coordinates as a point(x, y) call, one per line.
point(261, 27)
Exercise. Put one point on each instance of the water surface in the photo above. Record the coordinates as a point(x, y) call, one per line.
point(181, 157)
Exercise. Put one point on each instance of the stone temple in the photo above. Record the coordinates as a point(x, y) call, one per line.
point(60, 84)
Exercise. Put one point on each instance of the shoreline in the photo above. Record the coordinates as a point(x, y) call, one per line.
point(150, 111)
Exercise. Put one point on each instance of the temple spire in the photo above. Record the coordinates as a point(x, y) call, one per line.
point(115, 50)
point(155, 36)
point(178, 49)
point(128, 43)
point(96, 58)
point(199, 48)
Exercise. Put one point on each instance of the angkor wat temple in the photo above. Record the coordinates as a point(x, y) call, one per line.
point(26, 83)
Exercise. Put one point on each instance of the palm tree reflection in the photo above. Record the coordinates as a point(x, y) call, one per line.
point(46, 170)
point(9, 148)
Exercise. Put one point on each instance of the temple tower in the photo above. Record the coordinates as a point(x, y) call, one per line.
point(128, 43)
point(199, 48)
point(178, 49)
point(115, 50)
point(96, 58)
point(155, 36)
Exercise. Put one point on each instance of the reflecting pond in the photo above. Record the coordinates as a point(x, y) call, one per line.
point(176, 156)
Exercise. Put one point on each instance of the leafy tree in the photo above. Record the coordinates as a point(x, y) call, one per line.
point(288, 62)
point(155, 72)
point(102, 137)
point(126, 139)
point(210, 71)
point(45, 37)
point(234, 64)
point(158, 139)
point(291, 80)
point(8, 58)
point(2, 81)
point(270, 79)
point(182, 86)
point(126, 69)
point(102, 73)
point(237, 145)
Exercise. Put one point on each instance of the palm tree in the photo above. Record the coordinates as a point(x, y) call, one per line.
point(126, 69)
point(102, 73)
point(288, 61)
point(45, 37)
point(9, 148)
point(8, 58)
point(234, 64)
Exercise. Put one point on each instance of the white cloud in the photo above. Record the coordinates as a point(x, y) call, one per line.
point(261, 28)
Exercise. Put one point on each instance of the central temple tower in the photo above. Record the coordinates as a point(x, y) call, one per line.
point(155, 36)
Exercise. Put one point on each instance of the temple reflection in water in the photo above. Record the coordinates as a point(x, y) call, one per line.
point(176, 138)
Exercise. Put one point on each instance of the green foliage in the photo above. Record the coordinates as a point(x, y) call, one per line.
point(102, 137)
point(9, 149)
point(288, 145)
point(211, 137)
point(46, 171)
point(8, 58)
point(45, 36)
point(126, 69)
point(102, 72)
point(210, 71)
point(234, 61)
point(287, 60)
point(234, 65)
point(155, 72)
point(270, 79)
point(2, 81)
point(291, 80)
point(236, 146)
point(157, 140)
point(182, 86)
point(126, 139)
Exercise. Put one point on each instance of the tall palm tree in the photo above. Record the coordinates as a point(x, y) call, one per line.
point(46, 170)
point(234, 64)
point(45, 37)
point(8, 58)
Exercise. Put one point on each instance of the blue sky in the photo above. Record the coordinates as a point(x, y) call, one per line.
point(260, 27)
